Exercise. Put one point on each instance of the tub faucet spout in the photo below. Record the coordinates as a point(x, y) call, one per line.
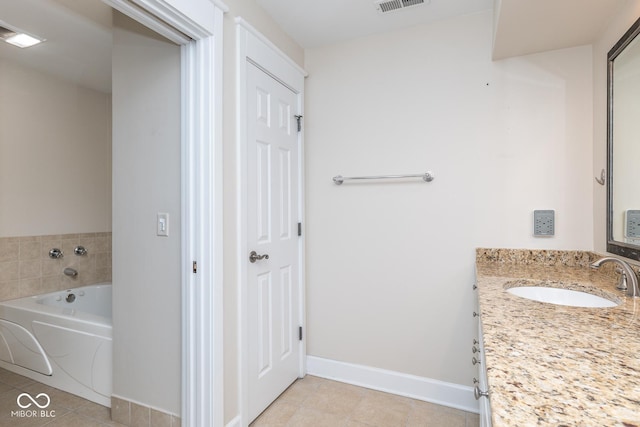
point(629, 277)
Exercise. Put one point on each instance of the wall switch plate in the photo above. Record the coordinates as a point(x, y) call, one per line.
point(543, 223)
point(162, 224)
point(632, 224)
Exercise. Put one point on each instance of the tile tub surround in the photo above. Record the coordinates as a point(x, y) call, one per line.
point(26, 269)
point(551, 365)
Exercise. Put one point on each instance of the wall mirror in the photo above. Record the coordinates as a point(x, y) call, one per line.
point(623, 145)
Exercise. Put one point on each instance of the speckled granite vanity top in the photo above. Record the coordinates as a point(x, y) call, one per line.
point(552, 365)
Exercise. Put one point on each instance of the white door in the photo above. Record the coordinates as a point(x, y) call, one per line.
point(273, 282)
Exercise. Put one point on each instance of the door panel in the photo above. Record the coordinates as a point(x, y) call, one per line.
point(263, 187)
point(273, 288)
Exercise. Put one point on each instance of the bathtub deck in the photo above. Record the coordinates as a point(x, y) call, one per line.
point(65, 409)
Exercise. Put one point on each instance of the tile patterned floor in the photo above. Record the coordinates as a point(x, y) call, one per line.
point(69, 410)
point(316, 402)
point(311, 401)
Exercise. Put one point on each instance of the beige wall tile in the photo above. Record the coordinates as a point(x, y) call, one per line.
point(52, 267)
point(30, 269)
point(26, 268)
point(30, 248)
point(9, 290)
point(103, 260)
point(103, 275)
point(9, 271)
point(120, 411)
point(29, 287)
point(68, 282)
point(160, 419)
point(9, 249)
point(52, 284)
point(103, 243)
point(140, 416)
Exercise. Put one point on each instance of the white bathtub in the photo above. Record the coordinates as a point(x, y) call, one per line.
point(62, 339)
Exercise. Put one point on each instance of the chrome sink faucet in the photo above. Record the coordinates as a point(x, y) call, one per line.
point(628, 281)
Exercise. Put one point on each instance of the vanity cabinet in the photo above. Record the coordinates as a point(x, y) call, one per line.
point(480, 383)
point(481, 386)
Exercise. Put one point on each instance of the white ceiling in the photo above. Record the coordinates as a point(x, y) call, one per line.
point(78, 34)
point(314, 23)
point(524, 27)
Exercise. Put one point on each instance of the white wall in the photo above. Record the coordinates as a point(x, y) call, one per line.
point(390, 265)
point(629, 12)
point(55, 155)
point(146, 180)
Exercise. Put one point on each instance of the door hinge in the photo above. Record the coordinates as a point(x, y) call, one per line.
point(300, 333)
point(195, 266)
point(299, 118)
point(299, 229)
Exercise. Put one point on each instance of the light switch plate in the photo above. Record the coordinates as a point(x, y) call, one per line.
point(162, 224)
point(543, 223)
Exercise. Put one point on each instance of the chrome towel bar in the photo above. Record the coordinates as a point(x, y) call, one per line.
point(427, 177)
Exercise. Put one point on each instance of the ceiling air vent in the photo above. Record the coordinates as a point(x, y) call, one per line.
point(385, 6)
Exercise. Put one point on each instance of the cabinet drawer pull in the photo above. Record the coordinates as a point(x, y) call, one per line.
point(477, 393)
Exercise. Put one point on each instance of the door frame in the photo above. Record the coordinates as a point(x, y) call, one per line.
point(255, 48)
point(197, 27)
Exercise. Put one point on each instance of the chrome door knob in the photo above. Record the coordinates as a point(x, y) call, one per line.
point(253, 256)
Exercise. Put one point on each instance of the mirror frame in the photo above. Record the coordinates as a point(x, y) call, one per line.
point(619, 248)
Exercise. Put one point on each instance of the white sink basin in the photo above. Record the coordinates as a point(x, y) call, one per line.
point(561, 296)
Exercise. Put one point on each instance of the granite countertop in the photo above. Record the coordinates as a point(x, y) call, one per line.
point(551, 365)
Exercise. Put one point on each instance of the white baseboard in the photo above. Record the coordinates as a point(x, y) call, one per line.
point(234, 422)
point(420, 388)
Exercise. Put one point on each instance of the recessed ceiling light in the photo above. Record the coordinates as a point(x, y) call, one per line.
point(17, 37)
point(22, 40)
